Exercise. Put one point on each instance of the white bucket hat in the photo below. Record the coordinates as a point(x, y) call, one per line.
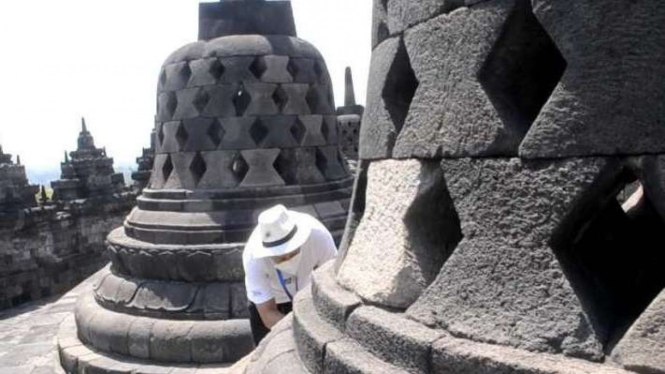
point(279, 231)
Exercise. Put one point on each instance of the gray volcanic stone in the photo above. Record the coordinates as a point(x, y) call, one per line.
point(377, 136)
point(451, 114)
point(405, 13)
point(312, 334)
point(460, 356)
point(606, 103)
point(243, 17)
point(417, 229)
point(348, 357)
point(642, 349)
point(503, 283)
point(333, 303)
point(393, 338)
point(379, 23)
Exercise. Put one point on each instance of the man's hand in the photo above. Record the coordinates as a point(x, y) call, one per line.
point(269, 313)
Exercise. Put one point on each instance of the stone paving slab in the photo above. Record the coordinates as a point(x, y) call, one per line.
point(27, 333)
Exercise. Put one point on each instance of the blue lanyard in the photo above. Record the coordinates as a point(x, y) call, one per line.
point(281, 280)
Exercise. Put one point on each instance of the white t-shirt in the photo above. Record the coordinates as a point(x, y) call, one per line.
point(261, 280)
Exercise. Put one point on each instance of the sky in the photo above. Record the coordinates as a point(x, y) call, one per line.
point(100, 59)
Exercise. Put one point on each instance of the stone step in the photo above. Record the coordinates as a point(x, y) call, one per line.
point(333, 303)
point(161, 340)
point(311, 332)
point(77, 358)
point(348, 357)
point(277, 352)
point(391, 336)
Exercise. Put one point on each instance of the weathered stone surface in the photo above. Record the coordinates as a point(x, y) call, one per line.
point(333, 303)
point(503, 283)
point(404, 13)
point(608, 101)
point(642, 349)
point(460, 356)
point(312, 334)
point(243, 122)
point(377, 136)
point(379, 23)
point(473, 111)
point(233, 18)
point(419, 229)
point(393, 338)
point(347, 356)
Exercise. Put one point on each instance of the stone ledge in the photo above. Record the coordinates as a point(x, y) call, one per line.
point(161, 340)
point(312, 334)
point(333, 303)
point(171, 300)
point(76, 358)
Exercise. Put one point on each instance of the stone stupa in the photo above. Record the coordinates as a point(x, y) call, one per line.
point(245, 120)
point(349, 117)
point(87, 172)
point(486, 234)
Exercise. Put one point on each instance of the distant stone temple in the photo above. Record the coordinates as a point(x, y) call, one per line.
point(245, 120)
point(15, 190)
point(141, 177)
point(87, 172)
point(47, 249)
point(349, 117)
point(486, 232)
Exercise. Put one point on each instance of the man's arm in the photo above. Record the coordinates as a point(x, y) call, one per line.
point(269, 313)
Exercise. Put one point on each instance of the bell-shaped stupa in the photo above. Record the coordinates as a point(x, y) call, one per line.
point(245, 120)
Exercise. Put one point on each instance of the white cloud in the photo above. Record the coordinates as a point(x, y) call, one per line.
point(101, 59)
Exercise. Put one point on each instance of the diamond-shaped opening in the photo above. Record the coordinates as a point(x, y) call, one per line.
point(298, 130)
point(321, 162)
point(160, 134)
point(382, 32)
point(184, 74)
point(167, 168)
point(522, 69)
point(292, 68)
point(198, 167)
point(313, 98)
point(241, 101)
point(612, 255)
point(400, 87)
point(171, 103)
point(216, 69)
point(432, 224)
point(258, 131)
point(201, 100)
point(216, 133)
point(325, 131)
point(181, 136)
point(258, 67)
point(239, 168)
point(280, 97)
point(285, 165)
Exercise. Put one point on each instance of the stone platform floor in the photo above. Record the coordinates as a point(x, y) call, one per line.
point(28, 332)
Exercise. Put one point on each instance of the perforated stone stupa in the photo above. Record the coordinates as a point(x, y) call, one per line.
point(349, 117)
point(87, 172)
point(485, 234)
point(245, 120)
